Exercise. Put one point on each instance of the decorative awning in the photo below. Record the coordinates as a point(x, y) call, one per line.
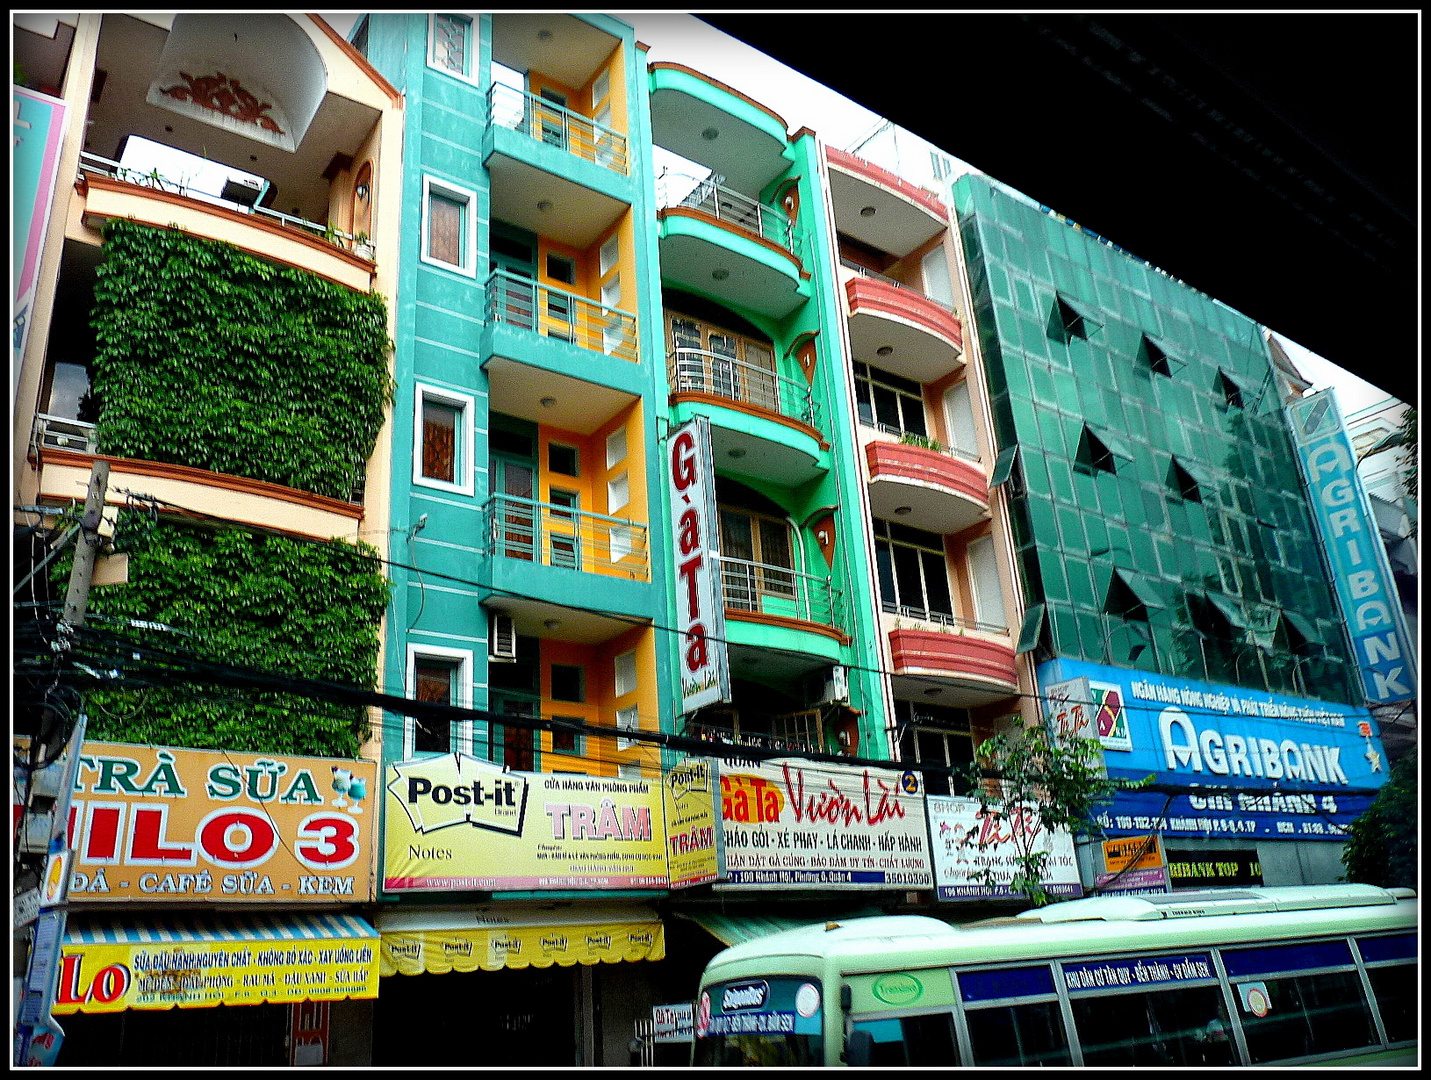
point(109, 963)
point(496, 936)
point(732, 929)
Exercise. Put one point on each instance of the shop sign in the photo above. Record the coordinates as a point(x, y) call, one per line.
point(1371, 604)
point(1126, 882)
point(160, 975)
point(673, 1023)
point(1301, 768)
point(801, 824)
point(38, 131)
point(1080, 708)
point(1135, 852)
point(777, 1006)
point(458, 822)
point(1145, 971)
point(1197, 868)
point(695, 842)
point(968, 842)
point(700, 614)
point(174, 825)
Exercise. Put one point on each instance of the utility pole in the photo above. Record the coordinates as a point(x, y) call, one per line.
point(43, 830)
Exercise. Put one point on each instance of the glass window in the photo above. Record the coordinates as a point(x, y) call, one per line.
point(618, 493)
point(626, 673)
point(889, 402)
point(912, 1040)
point(567, 742)
point(1304, 1015)
point(959, 416)
point(434, 680)
point(628, 719)
point(913, 572)
point(566, 500)
point(1396, 990)
point(1184, 1026)
point(563, 459)
point(560, 268)
point(1030, 1034)
point(448, 237)
point(984, 577)
point(452, 43)
point(439, 440)
point(568, 682)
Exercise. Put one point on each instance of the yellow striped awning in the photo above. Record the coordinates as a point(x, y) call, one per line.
point(517, 935)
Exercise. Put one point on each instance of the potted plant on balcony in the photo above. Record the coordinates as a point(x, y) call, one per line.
point(362, 246)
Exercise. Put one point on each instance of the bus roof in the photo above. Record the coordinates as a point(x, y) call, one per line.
point(1093, 925)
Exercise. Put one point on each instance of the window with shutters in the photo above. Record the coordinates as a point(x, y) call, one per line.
point(712, 360)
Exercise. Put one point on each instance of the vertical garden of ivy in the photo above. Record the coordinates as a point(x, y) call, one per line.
point(214, 359)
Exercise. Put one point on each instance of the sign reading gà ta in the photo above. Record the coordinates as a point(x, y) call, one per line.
point(1369, 598)
point(792, 823)
point(700, 615)
point(209, 826)
point(458, 822)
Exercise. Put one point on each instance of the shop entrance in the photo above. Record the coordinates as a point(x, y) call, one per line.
point(233, 1035)
point(530, 1016)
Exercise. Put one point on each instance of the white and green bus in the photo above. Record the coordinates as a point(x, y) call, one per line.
point(1298, 975)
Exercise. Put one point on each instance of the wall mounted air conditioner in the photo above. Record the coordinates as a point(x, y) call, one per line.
point(832, 686)
point(501, 638)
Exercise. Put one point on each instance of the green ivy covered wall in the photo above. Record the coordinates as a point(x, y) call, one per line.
point(211, 358)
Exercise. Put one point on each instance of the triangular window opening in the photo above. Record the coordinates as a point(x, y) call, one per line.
point(1182, 482)
point(1208, 619)
point(1094, 455)
point(1230, 391)
point(1067, 323)
point(1288, 638)
point(1123, 602)
point(1156, 359)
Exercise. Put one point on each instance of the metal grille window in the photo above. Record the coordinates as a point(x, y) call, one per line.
point(913, 572)
point(725, 363)
point(889, 402)
point(451, 43)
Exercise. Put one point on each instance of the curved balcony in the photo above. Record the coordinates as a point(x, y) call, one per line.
point(973, 668)
point(911, 335)
point(727, 245)
point(880, 209)
point(925, 488)
point(762, 424)
point(111, 191)
point(63, 452)
point(704, 120)
point(792, 609)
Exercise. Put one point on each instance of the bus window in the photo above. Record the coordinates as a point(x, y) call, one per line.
point(1028, 1034)
point(774, 1021)
point(912, 1040)
point(1395, 990)
point(1183, 1026)
point(1301, 1015)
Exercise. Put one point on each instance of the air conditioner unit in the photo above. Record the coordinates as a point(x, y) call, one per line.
point(832, 686)
point(502, 638)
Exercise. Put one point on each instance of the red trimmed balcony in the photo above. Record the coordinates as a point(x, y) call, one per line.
point(901, 330)
point(973, 661)
point(925, 488)
point(880, 209)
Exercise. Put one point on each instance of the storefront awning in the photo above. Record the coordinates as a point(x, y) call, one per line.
point(732, 929)
point(495, 936)
point(109, 963)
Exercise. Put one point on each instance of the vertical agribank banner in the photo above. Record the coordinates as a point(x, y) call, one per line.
point(700, 615)
point(168, 824)
point(791, 823)
point(1370, 602)
point(458, 822)
point(38, 131)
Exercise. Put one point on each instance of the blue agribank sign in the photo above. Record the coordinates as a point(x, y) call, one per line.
point(1274, 766)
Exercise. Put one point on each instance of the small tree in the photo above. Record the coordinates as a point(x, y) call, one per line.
point(1036, 785)
point(1381, 844)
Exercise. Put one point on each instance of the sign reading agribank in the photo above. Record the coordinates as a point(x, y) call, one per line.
point(700, 615)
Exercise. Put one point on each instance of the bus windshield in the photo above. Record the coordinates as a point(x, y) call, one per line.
point(770, 1021)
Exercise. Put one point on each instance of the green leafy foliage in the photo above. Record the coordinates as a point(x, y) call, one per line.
point(266, 602)
point(1381, 844)
point(211, 358)
point(1038, 785)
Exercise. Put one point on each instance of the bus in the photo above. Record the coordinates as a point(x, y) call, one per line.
point(1315, 975)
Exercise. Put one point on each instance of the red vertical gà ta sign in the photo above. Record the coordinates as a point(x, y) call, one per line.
point(699, 614)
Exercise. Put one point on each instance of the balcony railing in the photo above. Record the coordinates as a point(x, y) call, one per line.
point(557, 126)
point(778, 590)
point(62, 433)
point(802, 730)
point(521, 302)
point(360, 245)
point(566, 537)
point(865, 271)
point(943, 619)
point(675, 189)
point(699, 371)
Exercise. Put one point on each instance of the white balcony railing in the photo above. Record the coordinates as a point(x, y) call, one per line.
point(528, 305)
point(865, 271)
point(778, 590)
point(555, 125)
point(566, 537)
point(62, 433)
point(674, 189)
point(700, 371)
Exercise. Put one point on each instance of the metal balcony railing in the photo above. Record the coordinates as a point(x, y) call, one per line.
point(709, 196)
point(865, 271)
point(778, 590)
point(521, 302)
point(62, 433)
point(566, 537)
point(942, 618)
point(802, 730)
point(555, 125)
point(361, 245)
point(700, 371)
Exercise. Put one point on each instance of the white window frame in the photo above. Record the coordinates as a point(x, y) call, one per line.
point(431, 185)
point(616, 447)
point(959, 420)
point(986, 582)
point(624, 669)
point(468, 76)
point(462, 660)
point(618, 487)
point(609, 255)
point(466, 437)
point(628, 719)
